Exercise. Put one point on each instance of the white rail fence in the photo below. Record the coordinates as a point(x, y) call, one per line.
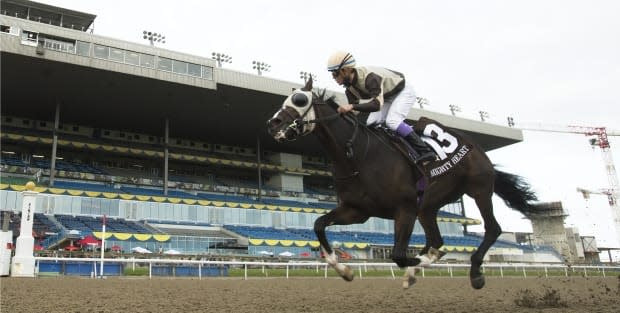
point(361, 268)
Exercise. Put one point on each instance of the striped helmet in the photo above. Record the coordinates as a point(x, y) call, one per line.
point(340, 59)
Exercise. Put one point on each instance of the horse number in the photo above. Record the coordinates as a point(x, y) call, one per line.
point(441, 137)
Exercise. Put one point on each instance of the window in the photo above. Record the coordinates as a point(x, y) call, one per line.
point(147, 60)
point(117, 55)
point(164, 64)
point(207, 72)
point(83, 48)
point(101, 52)
point(179, 67)
point(193, 69)
point(9, 30)
point(132, 58)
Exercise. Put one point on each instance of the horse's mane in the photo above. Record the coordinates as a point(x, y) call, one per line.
point(320, 96)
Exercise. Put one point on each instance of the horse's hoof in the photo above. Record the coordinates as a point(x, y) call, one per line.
point(348, 274)
point(477, 282)
point(408, 282)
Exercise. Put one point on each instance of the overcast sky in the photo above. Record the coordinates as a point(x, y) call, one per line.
point(550, 62)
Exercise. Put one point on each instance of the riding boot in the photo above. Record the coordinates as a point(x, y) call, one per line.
point(425, 152)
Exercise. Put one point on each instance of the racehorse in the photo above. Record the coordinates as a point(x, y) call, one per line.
point(374, 178)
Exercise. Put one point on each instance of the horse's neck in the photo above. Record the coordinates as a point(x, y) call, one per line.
point(333, 136)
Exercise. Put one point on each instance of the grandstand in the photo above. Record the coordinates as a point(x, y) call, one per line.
point(173, 150)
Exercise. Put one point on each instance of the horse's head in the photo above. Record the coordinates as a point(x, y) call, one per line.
point(291, 121)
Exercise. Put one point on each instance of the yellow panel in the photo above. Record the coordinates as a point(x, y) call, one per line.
point(189, 201)
point(249, 164)
point(284, 208)
point(92, 193)
point(47, 140)
point(159, 199)
point(15, 137)
point(201, 159)
point(246, 205)
point(308, 210)
point(271, 242)
point(31, 138)
point(188, 157)
point(110, 195)
point(75, 192)
point(150, 152)
point(78, 144)
point(232, 204)
point(271, 207)
point(256, 242)
point(4, 186)
point(286, 243)
point(160, 154)
point(161, 238)
point(314, 244)
point(296, 209)
point(57, 191)
point(348, 245)
point(93, 146)
point(213, 160)
point(174, 200)
point(107, 148)
point(227, 162)
point(143, 198)
point(122, 236)
point(175, 156)
point(39, 189)
point(99, 234)
point(301, 243)
point(126, 197)
point(361, 245)
point(122, 149)
point(142, 237)
point(217, 203)
point(259, 206)
point(204, 202)
point(136, 151)
point(18, 187)
point(237, 163)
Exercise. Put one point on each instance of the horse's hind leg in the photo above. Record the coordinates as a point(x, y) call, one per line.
point(339, 216)
point(492, 232)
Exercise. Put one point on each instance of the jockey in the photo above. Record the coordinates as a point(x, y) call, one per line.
point(385, 95)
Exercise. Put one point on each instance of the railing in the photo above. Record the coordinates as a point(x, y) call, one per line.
point(362, 268)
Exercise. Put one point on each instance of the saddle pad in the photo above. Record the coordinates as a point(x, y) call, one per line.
point(450, 146)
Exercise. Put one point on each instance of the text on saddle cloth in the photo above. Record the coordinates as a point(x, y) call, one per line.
point(449, 146)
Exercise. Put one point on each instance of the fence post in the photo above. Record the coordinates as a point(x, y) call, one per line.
point(585, 272)
point(286, 271)
point(565, 271)
point(501, 271)
point(546, 275)
point(150, 270)
point(524, 274)
point(392, 270)
point(325, 270)
point(603, 270)
point(360, 270)
point(450, 270)
point(245, 272)
point(423, 272)
point(199, 271)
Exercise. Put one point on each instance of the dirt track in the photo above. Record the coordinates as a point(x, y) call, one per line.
point(306, 295)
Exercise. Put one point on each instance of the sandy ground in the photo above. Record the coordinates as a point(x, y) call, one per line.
point(63, 294)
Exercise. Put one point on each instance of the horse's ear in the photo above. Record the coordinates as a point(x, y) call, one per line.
point(308, 86)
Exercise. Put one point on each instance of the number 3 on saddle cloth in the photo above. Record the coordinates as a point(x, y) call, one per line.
point(449, 145)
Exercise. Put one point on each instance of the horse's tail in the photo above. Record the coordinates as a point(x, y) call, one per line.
point(515, 192)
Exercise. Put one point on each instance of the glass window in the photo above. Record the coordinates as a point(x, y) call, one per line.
point(207, 72)
point(117, 55)
point(101, 52)
point(132, 58)
point(193, 69)
point(179, 67)
point(164, 64)
point(147, 60)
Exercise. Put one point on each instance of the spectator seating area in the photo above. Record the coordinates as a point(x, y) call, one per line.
point(41, 224)
point(62, 165)
point(89, 224)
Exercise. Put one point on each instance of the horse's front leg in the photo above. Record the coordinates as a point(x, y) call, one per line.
point(404, 220)
point(341, 215)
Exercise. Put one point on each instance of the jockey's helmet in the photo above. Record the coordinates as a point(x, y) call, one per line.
point(340, 59)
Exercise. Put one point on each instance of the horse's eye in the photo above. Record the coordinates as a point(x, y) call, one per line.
point(299, 99)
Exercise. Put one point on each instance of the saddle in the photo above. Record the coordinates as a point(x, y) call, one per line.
point(449, 146)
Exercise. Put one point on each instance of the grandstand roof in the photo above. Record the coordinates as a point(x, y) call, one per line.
point(229, 108)
point(48, 14)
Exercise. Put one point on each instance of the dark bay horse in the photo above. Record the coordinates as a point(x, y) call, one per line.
point(373, 178)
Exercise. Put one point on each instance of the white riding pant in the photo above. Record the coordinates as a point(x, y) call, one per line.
point(394, 110)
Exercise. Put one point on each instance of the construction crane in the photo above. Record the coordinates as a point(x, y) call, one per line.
point(599, 138)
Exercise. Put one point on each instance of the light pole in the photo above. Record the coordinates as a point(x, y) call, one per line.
point(306, 75)
point(153, 37)
point(221, 58)
point(483, 115)
point(511, 122)
point(454, 108)
point(422, 102)
point(261, 67)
